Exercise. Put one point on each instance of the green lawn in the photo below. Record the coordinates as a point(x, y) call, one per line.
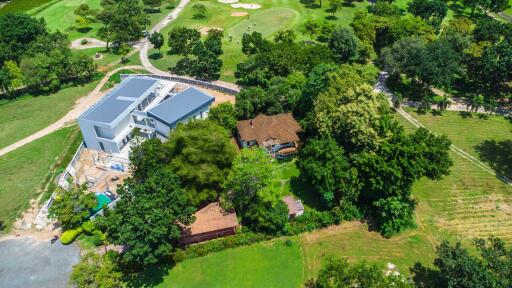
point(26, 170)
point(22, 5)
point(269, 264)
point(60, 16)
point(273, 16)
point(23, 116)
point(466, 131)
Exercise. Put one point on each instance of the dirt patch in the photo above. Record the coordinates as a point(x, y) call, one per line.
point(89, 43)
point(239, 14)
point(246, 5)
point(204, 30)
point(219, 96)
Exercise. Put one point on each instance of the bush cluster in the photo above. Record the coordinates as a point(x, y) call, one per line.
point(70, 235)
point(313, 219)
point(205, 248)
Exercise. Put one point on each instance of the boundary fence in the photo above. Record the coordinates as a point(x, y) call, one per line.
point(189, 81)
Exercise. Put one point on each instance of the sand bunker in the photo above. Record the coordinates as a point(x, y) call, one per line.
point(204, 30)
point(228, 1)
point(246, 5)
point(239, 14)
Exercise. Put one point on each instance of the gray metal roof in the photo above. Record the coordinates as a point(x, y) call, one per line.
point(124, 97)
point(180, 106)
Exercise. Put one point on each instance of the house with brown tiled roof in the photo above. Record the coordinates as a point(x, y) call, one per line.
point(211, 222)
point(277, 133)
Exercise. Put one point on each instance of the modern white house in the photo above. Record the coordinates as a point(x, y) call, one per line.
point(149, 104)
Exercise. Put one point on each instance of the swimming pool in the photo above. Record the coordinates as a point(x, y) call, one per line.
point(102, 201)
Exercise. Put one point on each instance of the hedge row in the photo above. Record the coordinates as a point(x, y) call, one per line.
point(217, 245)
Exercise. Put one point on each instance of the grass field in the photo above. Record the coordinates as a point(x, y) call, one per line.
point(60, 16)
point(270, 264)
point(26, 170)
point(22, 5)
point(23, 116)
point(274, 15)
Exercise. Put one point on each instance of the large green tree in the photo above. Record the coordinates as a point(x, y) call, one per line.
point(224, 115)
point(323, 164)
point(201, 154)
point(339, 273)
point(147, 217)
point(252, 171)
point(343, 44)
point(95, 271)
point(73, 207)
point(459, 268)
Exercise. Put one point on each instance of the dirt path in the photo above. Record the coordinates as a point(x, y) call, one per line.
point(81, 105)
point(381, 87)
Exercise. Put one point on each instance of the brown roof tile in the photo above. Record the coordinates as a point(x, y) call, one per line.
point(281, 127)
point(211, 218)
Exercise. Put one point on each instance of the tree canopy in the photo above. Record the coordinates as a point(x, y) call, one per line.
point(147, 217)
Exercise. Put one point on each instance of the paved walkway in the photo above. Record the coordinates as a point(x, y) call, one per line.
point(381, 87)
point(80, 106)
point(146, 46)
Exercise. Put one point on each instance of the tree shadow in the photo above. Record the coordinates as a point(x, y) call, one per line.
point(497, 154)
point(425, 276)
point(331, 17)
point(436, 112)
point(151, 277)
point(84, 30)
point(155, 56)
point(465, 114)
point(152, 10)
point(303, 190)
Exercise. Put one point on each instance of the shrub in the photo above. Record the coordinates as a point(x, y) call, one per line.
point(68, 236)
point(88, 227)
point(205, 248)
point(84, 41)
point(289, 243)
point(98, 238)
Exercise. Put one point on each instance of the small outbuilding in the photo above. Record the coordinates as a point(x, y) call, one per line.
point(295, 207)
point(211, 222)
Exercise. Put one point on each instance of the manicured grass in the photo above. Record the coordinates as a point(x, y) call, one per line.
point(27, 169)
point(273, 16)
point(22, 5)
point(60, 16)
point(21, 117)
point(466, 131)
point(269, 264)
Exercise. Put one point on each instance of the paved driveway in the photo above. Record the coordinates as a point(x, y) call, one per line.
point(26, 263)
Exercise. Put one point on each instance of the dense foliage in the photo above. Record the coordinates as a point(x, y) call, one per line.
point(73, 207)
point(95, 271)
point(147, 217)
point(339, 273)
point(32, 56)
point(205, 62)
point(201, 154)
point(251, 193)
